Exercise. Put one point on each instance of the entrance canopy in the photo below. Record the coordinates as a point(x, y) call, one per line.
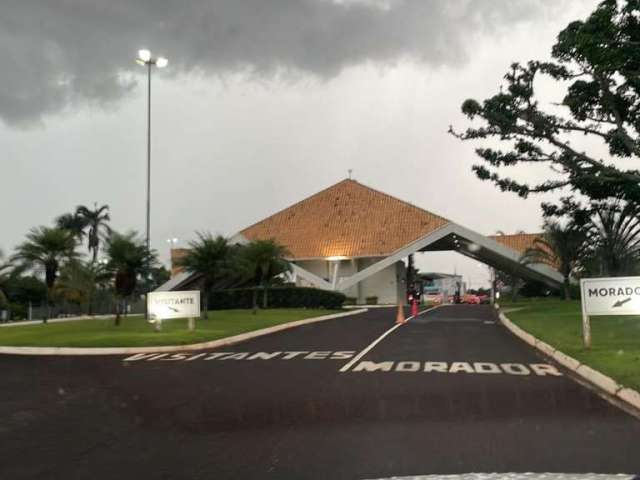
point(453, 237)
point(350, 221)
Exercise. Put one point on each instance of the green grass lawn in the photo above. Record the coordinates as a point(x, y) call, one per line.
point(615, 349)
point(134, 331)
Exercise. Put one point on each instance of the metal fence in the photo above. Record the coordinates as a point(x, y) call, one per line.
point(39, 312)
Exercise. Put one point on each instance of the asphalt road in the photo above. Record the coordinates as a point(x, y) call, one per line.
point(450, 392)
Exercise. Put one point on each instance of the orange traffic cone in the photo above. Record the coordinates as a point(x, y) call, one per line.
point(400, 316)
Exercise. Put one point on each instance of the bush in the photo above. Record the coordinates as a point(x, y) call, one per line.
point(17, 311)
point(574, 291)
point(532, 289)
point(351, 301)
point(23, 290)
point(371, 300)
point(279, 297)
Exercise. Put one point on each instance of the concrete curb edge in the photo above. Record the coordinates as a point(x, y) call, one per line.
point(626, 395)
point(222, 342)
point(23, 323)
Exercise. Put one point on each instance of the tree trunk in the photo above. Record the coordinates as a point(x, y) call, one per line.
point(567, 291)
point(50, 271)
point(515, 290)
point(265, 295)
point(117, 320)
point(47, 309)
point(254, 301)
point(205, 304)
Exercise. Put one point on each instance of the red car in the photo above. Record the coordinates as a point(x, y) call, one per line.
point(470, 299)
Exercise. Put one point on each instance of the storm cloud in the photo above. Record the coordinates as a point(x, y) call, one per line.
point(61, 54)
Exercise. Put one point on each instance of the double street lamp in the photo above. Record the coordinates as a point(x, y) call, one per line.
point(145, 58)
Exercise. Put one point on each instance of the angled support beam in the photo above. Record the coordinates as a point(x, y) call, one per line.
point(419, 244)
point(539, 271)
point(542, 271)
point(311, 277)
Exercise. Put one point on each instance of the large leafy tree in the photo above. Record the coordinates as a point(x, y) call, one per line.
point(264, 260)
point(562, 247)
point(127, 261)
point(598, 60)
point(46, 249)
point(23, 289)
point(210, 257)
point(97, 221)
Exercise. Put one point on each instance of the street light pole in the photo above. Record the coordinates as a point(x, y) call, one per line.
point(145, 58)
point(148, 233)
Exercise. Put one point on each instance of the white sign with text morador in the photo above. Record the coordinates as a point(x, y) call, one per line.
point(608, 296)
point(611, 296)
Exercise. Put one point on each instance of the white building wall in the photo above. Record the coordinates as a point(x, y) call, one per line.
point(317, 267)
point(401, 275)
point(388, 285)
point(348, 268)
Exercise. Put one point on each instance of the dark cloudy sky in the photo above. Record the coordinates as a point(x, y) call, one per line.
point(263, 103)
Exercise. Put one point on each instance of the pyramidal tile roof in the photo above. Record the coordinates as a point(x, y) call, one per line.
point(519, 242)
point(347, 219)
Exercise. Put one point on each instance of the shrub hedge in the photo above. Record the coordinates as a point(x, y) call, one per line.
point(279, 297)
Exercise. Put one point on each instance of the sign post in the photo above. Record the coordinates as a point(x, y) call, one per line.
point(586, 325)
point(167, 305)
point(608, 296)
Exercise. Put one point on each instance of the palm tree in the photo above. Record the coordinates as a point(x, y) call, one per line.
point(46, 249)
point(72, 222)
point(210, 257)
point(97, 221)
point(264, 260)
point(614, 233)
point(5, 267)
point(78, 282)
point(561, 247)
point(156, 276)
point(127, 260)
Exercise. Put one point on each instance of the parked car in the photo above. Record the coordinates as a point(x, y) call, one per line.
point(484, 299)
point(470, 299)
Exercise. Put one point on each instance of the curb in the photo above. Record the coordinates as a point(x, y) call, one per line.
point(377, 305)
point(222, 342)
point(628, 396)
point(21, 323)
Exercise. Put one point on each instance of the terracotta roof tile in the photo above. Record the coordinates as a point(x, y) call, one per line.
point(347, 219)
point(518, 241)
